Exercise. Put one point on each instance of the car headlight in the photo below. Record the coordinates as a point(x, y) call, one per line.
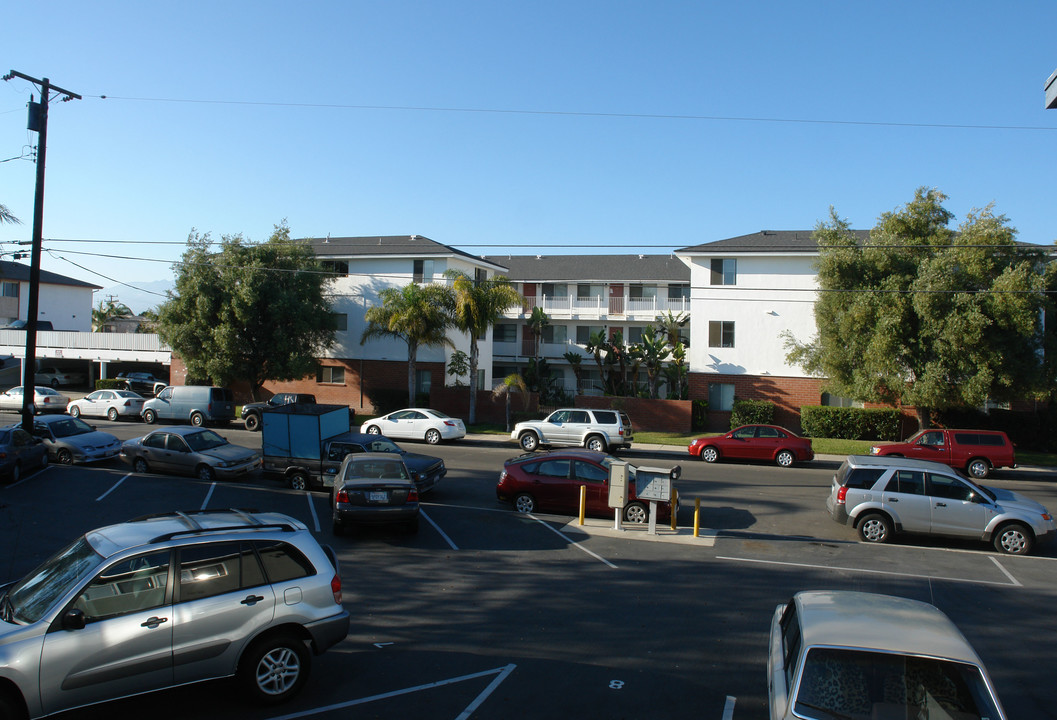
point(874, 450)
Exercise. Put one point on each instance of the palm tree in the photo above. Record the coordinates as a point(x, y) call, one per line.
point(536, 322)
point(654, 350)
point(598, 345)
point(477, 305)
point(575, 359)
point(106, 312)
point(416, 314)
point(670, 325)
point(7, 217)
point(510, 383)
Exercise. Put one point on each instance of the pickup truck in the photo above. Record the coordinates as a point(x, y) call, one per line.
point(304, 445)
point(251, 412)
point(976, 452)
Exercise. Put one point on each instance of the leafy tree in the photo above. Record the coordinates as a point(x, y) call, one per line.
point(107, 311)
point(536, 322)
point(511, 383)
point(248, 311)
point(599, 347)
point(654, 349)
point(477, 305)
point(458, 366)
point(676, 373)
point(416, 314)
point(575, 361)
point(925, 316)
point(670, 324)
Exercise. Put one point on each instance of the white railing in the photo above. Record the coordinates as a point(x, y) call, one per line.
point(601, 308)
point(148, 342)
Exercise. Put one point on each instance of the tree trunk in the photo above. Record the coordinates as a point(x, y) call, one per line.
point(471, 417)
point(412, 351)
point(924, 417)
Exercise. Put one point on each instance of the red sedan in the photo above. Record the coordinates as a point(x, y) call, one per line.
point(755, 442)
point(552, 480)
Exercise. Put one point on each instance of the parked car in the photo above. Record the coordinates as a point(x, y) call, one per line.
point(19, 452)
point(598, 430)
point(755, 442)
point(143, 382)
point(96, 621)
point(552, 481)
point(879, 496)
point(45, 400)
point(197, 404)
point(251, 412)
point(71, 440)
point(111, 404)
point(54, 377)
point(844, 654)
point(183, 450)
point(374, 489)
point(975, 451)
point(416, 424)
point(42, 325)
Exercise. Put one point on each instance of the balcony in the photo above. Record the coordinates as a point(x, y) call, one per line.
point(644, 309)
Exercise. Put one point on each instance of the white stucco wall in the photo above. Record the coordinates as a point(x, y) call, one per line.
point(66, 307)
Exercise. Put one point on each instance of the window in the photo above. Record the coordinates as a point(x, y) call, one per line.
point(10, 289)
point(949, 488)
point(830, 400)
point(586, 290)
point(634, 335)
point(554, 468)
point(586, 472)
point(216, 569)
point(423, 381)
point(330, 375)
point(555, 334)
point(638, 292)
point(721, 333)
point(341, 320)
point(723, 272)
point(678, 292)
point(554, 290)
point(504, 332)
point(584, 333)
point(283, 561)
point(423, 271)
point(127, 586)
point(907, 482)
point(863, 478)
point(338, 267)
point(721, 396)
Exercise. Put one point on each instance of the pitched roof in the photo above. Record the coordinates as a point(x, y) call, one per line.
point(13, 271)
point(418, 246)
point(765, 241)
point(598, 268)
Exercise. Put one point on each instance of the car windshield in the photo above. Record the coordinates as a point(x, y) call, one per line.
point(27, 600)
point(68, 427)
point(204, 440)
point(127, 394)
point(382, 445)
point(840, 683)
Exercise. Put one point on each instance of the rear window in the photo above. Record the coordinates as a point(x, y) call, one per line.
point(862, 478)
point(979, 439)
point(221, 395)
point(605, 417)
point(283, 561)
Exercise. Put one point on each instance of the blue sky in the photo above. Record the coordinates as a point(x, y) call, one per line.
point(500, 127)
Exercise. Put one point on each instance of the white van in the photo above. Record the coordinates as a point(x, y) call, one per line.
point(198, 404)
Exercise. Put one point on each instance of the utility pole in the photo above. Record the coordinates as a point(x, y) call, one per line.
point(38, 122)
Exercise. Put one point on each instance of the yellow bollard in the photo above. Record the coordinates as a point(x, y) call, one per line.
point(675, 508)
point(697, 517)
point(583, 502)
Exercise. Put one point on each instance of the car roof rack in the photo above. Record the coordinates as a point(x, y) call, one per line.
point(194, 527)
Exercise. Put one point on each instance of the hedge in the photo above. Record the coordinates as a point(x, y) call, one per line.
point(850, 423)
point(111, 384)
point(751, 412)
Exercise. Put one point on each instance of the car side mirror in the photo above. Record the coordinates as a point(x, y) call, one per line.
point(73, 619)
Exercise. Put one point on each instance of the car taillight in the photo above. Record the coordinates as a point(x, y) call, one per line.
point(449, 423)
point(128, 403)
point(620, 431)
point(413, 495)
point(842, 494)
point(343, 495)
point(335, 587)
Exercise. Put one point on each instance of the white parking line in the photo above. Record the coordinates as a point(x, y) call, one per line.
point(728, 708)
point(312, 509)
point(436, 527)
point(113, 487)
point(501, 673)
point(205, 503)
point(1014, 583)
point(569, 540)
point(1005, 572)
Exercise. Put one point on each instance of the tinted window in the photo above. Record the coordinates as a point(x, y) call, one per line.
point(127, 586)
point(908, 482)
point(208, 570)
point(157, 440)
point(604, 417)
point(579, 416)
point(587, 472)
point(282, 561)
point(863, 478)
point(221, 395)
point(554, 468)
point(790, 641)
point(768, 432)
point(947, 487)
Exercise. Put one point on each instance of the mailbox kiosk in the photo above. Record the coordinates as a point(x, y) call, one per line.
point(618, 489)
point(655, 484)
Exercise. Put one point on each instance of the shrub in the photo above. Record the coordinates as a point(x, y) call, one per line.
point(110, 384)
point(751, 412)
point(698, 415)
point(850, 423)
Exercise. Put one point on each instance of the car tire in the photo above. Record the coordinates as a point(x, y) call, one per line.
point(1014, 539)
point(253, 422)
point(205, 473)
point(11, 705)
point(54, 384)
point(784, 458)
point(978, 468)
point(44, 459)
point(875, 528)
point(525, 503)
point(373, 430)
point(198, 419)
point(433, 436)
point(150, 417)
point(299, 481)
point(64, 456)
point(528, 441)
point(75, 411)
point(595, 443)
point(709, 454)
point(140, 465)
point(16, 473)
point(636, 513)
point(274, 668)
point(112, 415)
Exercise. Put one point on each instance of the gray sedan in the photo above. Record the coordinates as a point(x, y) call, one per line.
point(71, 440)
point(374, 489)
point(189, 451)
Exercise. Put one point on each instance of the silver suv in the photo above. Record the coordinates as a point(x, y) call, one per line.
point(882, 495)
point(167, 600)
point(598, 430)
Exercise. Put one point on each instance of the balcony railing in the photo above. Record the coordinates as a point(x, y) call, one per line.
point(600, 308)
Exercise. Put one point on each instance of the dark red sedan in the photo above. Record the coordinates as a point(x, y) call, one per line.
point(552, 481)
point(755, 442)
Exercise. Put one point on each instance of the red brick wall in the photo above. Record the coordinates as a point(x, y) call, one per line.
point(788, 394)
point(646, 415)
point(456, 402)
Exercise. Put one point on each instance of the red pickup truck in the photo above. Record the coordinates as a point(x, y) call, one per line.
point(975, 451)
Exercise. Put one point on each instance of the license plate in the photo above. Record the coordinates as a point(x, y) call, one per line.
point(376, 496)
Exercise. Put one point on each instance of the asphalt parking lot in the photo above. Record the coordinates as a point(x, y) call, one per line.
point(489, 614)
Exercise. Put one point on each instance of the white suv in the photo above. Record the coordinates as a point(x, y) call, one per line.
point(167, 600)
point(599, 430)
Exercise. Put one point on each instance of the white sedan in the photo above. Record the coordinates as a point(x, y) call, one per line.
point(44, 400)
point(416, 424)
point(111, 404)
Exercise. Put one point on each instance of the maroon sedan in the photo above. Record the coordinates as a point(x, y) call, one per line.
point(755, 442)
point(552, 481)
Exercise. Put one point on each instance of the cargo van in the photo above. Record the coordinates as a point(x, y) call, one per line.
point(197, 404)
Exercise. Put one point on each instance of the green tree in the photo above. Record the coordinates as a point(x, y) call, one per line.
point(923, 315)
point(511, 383)
point(599, 347)
point(654, 350)
point(536, 322)
point(458, 366)
point(575, 361)
point(477, 305)
point(248, 311)
point(107, 311)
point(416, 314)
point(670, 324)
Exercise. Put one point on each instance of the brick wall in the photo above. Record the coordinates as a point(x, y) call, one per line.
point(788, 394)
point(646, 415)
point(456, 402)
